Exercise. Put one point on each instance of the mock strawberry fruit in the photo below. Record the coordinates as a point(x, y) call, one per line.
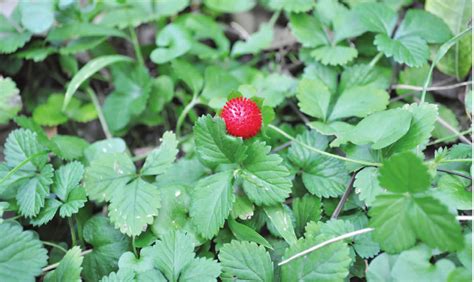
point(242, 117)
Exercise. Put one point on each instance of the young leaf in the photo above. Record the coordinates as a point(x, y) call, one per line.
point(245, 261)
point(328, 263)
point(172, 41)
point(266, 180)
point(213, 197)
point(21, 254)
point(404, 172)
point(161, 159)
point(280, 218)
point(108, 245)
point(10, 100)
point(132, 207)
point(214, 146)
point(69, 267)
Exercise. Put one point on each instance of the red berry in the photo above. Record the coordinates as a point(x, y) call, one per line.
point(242, 117)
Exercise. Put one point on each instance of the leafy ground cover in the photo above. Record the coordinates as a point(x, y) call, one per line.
point(269, 140)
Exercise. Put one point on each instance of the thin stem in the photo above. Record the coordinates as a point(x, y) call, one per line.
point(184, 113)
point(20, 165)
point(325, 243)
point(53, 266)
point(54, 245)
point(345, 196)
point(134, 247)
point(72, 230)
point(454, 173)
point(457, 161)
point(283, 133)
point(136, 46)
point(98, 108)
point(375, 59)
point(449, 137)
point(434, 88)
point(448, 126)
point(274, 18)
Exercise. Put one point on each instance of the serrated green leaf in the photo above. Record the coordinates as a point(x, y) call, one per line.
point(69, 267)
point(245, 261)
point(108, 146)
point(108, 245)
point(46, 213)
point(376, 17)
point(314, 98)
point(425, 25)
point(307, 30)
point(306, 209)
point(367, 185)
point(69, 147)
point(244, 233)
point(292, 5)
point(201, 269)
point(232, 6)
point(21, 254)
point(266, 180)
point(161, 158)
point(453, 191)
point(330, 263)
point(37, 17)
point(218, 83)
point(404, 172)
point(280, 218)
point(133, 206)
point(183, 172)
point(10, 100)
point(381, 129)
point(107, 175)
point(22, 144)
point(173, 41)
point(450, 117)
point(411, 50)
point(213, 198)
point(214, 146)
point(10, 38)
point(334, 55)
point(32, 192)
point(67, 189)
point(255, 43)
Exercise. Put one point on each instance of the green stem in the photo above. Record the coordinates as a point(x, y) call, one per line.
point(274, 18)
point(134, 247)
point(100, 113)
point(54, 245)
point(375, 59)
point(321, 151)
point(136, 46)
point(20, 165)
point(456, 161)
point(184, 113)
point(462, 133)
point(72, 230)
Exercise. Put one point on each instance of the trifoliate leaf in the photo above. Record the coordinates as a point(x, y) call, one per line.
point(255, 43)
point(410, 50)
point(214, 146)
point(376, 17)
point(399, 219)
point(334, 55)
point(213, 197)
point(46, 213)
point(453, 191)
point(307, 30)
point(266, 180)
point(232, 6)
point(10, 38)
point(173, 41)
point(132, 207)
point(33, 191)
point(280, 219)
point(367, 185)
point(404, 172)
point(21, 254)
point(422, 124)
point(292, 5)
point(107, 175)
point(161, 158)
point(330, 263)
point(381, 129)
point(66, 187)
point(69, 268)
point(306, 209)
point(245, 261)
point(108, 245)
point(323, 176)
point(172, 253)
point(10, 100)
